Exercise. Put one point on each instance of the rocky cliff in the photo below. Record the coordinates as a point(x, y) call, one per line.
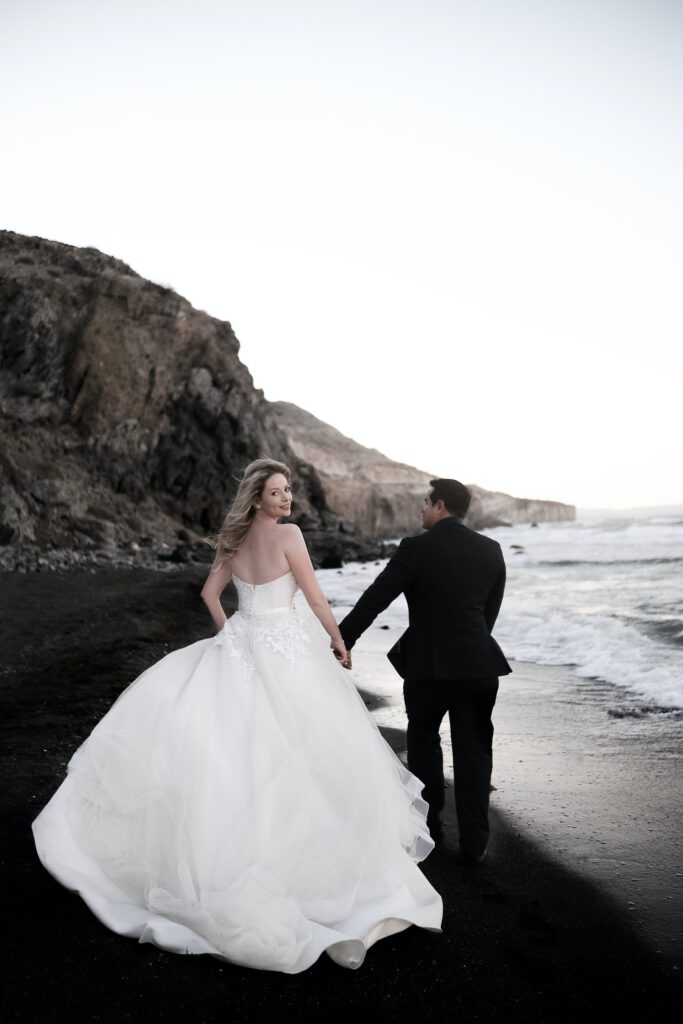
point(126, 415)
point(381, 498)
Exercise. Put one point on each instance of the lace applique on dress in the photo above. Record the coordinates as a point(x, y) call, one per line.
point(265, 619)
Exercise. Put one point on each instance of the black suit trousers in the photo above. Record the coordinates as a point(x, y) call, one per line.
point(469, 703)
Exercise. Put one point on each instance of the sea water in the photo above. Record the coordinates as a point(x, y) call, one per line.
point(603, 594)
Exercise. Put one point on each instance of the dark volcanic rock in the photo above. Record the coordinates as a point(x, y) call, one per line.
point(126, 414)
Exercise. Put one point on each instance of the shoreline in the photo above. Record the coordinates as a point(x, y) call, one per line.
point(589, 772)
point(526, 937)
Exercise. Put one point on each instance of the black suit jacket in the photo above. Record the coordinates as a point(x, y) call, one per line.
point(453, 580)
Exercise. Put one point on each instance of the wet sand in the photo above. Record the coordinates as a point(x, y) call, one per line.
point(540, 933)
point(591, 773)
point(598, 776)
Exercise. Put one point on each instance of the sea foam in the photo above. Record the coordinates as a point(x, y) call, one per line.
point(604, 595)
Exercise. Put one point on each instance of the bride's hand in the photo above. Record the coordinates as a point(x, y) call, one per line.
point(341, 654)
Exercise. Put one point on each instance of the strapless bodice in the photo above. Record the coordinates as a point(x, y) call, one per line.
point(256, 599)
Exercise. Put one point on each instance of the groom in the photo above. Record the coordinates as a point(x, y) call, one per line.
point(453, 580)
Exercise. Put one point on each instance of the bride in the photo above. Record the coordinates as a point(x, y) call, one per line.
point(238, 799)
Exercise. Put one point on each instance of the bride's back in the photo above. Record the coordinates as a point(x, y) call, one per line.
point(260, 557)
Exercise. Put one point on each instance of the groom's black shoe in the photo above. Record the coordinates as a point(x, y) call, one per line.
point(472, 859)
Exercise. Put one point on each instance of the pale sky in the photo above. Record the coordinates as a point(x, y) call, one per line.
point(453, 230)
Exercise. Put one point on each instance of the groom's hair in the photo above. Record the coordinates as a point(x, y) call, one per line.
point(453, 494)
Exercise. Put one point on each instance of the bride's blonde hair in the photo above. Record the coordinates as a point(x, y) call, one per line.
point(242, 511)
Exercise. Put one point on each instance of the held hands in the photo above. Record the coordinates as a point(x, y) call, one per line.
point(341, 654)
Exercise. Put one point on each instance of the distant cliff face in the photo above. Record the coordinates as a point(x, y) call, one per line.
point(493, 508)
point(374, 495)
point(382, 498)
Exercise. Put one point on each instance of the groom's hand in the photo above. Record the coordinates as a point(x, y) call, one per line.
point(340, 652)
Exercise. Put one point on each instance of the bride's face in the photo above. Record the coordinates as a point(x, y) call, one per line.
point(276, 499)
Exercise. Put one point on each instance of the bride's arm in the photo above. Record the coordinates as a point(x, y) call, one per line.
point(300, 563)
point(216, 582)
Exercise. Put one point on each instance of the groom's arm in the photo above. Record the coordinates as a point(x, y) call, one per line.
point(495, 595)
point(391, 582)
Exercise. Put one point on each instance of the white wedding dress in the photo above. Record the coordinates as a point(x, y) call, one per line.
point(238, 800)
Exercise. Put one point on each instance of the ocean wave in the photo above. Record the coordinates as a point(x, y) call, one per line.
point(614, 542)
point(605, 598)
point(665, 560)
point(670, 631)
point(597, 647)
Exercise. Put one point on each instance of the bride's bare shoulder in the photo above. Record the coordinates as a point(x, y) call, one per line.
point(290, 529)
point(291, 534)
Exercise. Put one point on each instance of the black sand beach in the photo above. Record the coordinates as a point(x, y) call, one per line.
point(527, 937)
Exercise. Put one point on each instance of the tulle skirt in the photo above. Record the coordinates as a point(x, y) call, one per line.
point(246, 807)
